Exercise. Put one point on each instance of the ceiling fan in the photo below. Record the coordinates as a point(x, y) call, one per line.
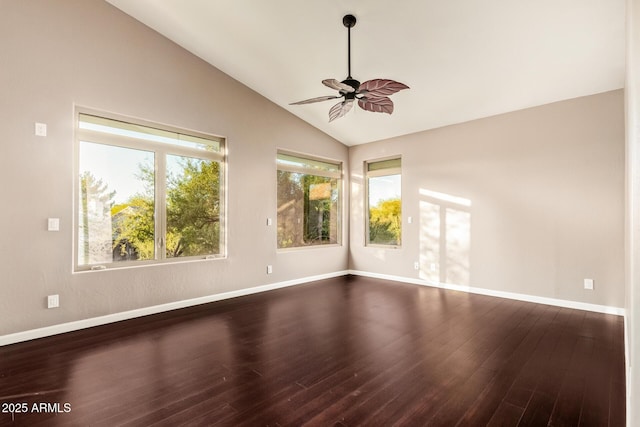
point(372, 95)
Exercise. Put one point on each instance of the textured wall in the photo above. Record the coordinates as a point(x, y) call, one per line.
point(530, 202)
point(58, 54)
point(545, 185)
point(632, 303)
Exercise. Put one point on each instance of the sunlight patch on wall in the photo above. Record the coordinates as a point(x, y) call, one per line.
point(445, 237)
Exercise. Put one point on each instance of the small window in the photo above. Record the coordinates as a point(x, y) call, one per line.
point(146, 194)
point(308, 201)
point(384, 202)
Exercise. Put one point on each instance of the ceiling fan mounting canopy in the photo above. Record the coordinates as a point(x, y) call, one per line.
point(349, 21)
point(372, 95)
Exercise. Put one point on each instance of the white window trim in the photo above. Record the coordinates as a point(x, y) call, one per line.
point(161, 150)
point(376, 174)
point(339, 175)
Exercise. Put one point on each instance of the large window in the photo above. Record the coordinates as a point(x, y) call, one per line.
point(308, 201)
point(146, 194)
point(384, 213)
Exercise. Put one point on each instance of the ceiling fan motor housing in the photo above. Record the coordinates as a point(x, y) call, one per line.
point(354, 84)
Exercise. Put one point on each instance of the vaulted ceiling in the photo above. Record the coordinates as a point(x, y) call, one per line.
point(463, 59)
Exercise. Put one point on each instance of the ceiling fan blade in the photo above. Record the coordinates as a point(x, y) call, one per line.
point(377, 105)
point(312, 100)
point(340, 109)
point(339, 86)
point(380, 87)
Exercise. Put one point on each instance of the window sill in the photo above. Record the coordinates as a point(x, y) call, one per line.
point(304, 248)
point(114, 267)
point(383, 246)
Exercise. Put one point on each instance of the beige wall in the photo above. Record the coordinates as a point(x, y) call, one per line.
point(632, 302)
point(57, 54)
point(546, 193)
point(545, 184)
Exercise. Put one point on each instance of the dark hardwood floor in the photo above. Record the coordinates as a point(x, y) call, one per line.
point(339, 352)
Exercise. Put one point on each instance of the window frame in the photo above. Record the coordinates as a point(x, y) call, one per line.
point(338, 174)
point(395, 170)
point(160, 150)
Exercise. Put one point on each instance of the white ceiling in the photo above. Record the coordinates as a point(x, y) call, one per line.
point(463, 59)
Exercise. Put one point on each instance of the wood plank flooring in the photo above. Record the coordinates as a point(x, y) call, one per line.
point(341, 352)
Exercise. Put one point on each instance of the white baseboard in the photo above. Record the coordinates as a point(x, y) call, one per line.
point(500, 294)
point(131, 314)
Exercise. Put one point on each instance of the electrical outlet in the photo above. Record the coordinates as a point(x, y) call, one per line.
point(416, 265)
point(53, 301)
point(588, 284)
point(269, 269)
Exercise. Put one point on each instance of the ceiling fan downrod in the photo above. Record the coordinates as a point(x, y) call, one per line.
point(349, 21)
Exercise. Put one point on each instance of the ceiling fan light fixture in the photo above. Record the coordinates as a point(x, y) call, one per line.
point(372, 95)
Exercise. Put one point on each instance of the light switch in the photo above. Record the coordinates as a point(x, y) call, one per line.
point(53, 224)
point(53, 301)
point(41, 129)
point(588, 284)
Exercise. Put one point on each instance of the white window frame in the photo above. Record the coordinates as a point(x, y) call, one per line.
point(396, 170)
point(310, 170)
point(160, 150)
